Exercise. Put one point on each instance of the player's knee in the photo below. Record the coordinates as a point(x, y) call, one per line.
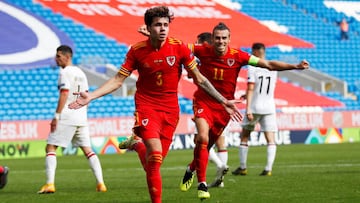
point(50, 148)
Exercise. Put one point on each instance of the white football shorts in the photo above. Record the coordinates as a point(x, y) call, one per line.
point(79, 136)
point(267, 122)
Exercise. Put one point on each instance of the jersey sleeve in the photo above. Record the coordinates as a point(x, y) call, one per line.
point(130, 63)
point(251, 74)
point(245, 58)
point(188, 59)
point(64, 83)
point(191, 47)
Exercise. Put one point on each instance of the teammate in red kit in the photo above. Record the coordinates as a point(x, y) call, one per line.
point(159, 61)
point(221, 65)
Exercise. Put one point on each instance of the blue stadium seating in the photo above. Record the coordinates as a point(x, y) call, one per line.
point(32, 94)
point(313, 21)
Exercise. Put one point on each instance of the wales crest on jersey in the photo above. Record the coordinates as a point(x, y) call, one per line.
point(230, 62)
point(171, 60)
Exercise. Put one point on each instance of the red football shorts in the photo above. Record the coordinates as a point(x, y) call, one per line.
point(216, 117)
point(150, 123)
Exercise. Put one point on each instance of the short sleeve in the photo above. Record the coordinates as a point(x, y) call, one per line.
point(129, 64)
point(64, 81)
point(188, 59)
point(251, 74)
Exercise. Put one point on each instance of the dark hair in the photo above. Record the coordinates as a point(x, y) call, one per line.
point(257, 46)
point(204, 37)
point(158, 11)
point(221, 26)
point(65, 49)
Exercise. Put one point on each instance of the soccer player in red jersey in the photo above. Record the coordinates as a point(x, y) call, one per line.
point(159, 61)
point(221, 65)
point(220, 158)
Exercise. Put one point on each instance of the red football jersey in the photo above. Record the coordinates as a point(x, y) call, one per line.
point(221, 71)
point(159, 72)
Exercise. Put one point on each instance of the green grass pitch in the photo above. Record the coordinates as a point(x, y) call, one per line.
point(301, 173)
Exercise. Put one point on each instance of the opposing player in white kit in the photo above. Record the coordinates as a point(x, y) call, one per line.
point(69, 125)
point(260, 108)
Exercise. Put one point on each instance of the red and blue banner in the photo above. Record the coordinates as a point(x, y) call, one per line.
point(120, 19)
point(27, 40)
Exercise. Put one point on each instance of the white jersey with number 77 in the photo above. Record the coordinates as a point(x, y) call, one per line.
point(263, 101)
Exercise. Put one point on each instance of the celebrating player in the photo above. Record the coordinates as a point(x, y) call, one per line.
point(221, 65)
point(220, 157)
point(158, 61)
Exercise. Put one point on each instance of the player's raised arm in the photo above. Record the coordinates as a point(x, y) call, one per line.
point(277, 65)
point(109, 86)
